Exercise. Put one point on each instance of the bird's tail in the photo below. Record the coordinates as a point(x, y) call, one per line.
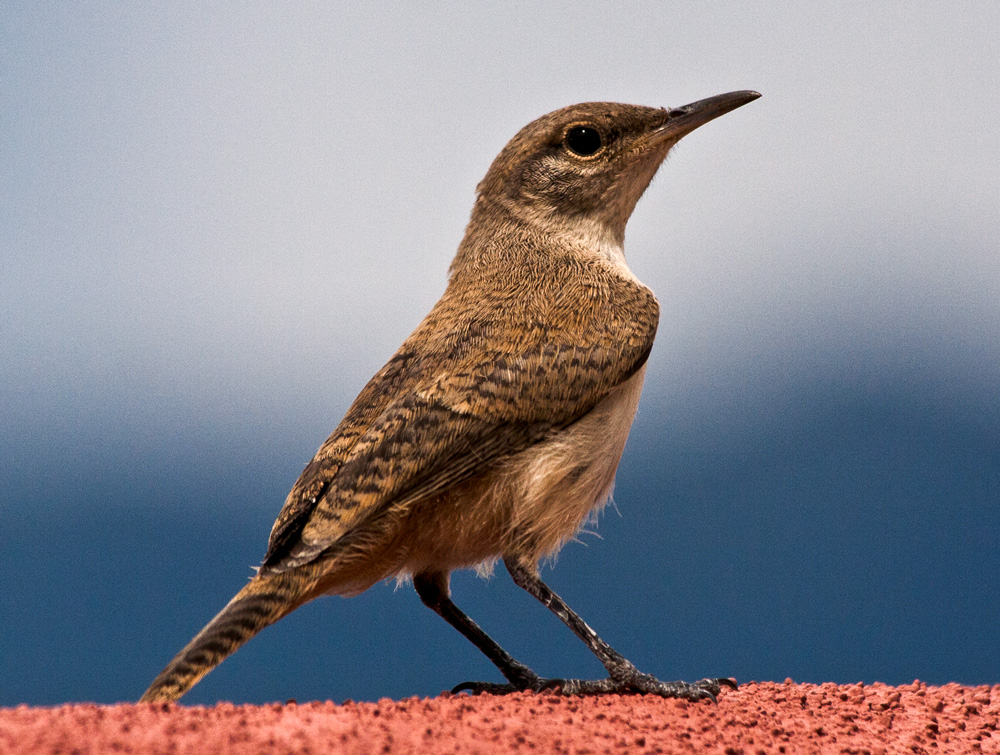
point(264, 600)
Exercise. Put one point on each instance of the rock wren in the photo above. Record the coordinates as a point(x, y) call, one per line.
point(496, 428)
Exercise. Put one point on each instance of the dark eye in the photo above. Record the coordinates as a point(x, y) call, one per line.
point(583, 140)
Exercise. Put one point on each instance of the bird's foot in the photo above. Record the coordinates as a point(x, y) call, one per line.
point(627, 684)
point(520, 679)
point(638, 683)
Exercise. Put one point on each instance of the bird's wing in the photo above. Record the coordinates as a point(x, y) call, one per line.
point(428, 421)
point(394, 379)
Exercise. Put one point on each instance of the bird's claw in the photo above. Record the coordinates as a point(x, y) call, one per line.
point(522, 679)
point(638, 683)
point(490, 688)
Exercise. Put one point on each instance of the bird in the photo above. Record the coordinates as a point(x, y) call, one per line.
point(495, 431)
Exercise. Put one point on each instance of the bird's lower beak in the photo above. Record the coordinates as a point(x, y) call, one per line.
point(684, 120)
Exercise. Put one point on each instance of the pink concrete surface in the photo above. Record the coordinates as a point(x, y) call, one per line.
point(757, 718)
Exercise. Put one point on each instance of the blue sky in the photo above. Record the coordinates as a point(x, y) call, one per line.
point(219, 221)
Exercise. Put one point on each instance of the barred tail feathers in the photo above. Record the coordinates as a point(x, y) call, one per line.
point(263, 601)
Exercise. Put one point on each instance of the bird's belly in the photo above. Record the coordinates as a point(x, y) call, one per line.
point(532, 504)
point(565, 479)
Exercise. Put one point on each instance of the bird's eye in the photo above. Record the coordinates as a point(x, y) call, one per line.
point(583, 140)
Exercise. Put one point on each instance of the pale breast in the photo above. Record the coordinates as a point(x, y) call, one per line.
point(560, 482)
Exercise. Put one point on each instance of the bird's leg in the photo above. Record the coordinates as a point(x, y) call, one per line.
point(433, 591)
point(623, 676)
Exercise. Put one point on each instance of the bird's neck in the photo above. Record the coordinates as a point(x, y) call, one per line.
point(582, 236)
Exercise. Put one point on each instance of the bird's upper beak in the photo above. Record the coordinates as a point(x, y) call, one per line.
point(684, 120)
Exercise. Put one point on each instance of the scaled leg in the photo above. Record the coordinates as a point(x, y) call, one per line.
point(433, 591)
point(623, 676)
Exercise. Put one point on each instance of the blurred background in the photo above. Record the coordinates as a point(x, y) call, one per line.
point(218, 221)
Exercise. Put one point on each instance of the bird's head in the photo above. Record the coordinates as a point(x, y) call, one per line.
point(588, 164)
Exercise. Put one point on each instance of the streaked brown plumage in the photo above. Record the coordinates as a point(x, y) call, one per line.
point(496, 428)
